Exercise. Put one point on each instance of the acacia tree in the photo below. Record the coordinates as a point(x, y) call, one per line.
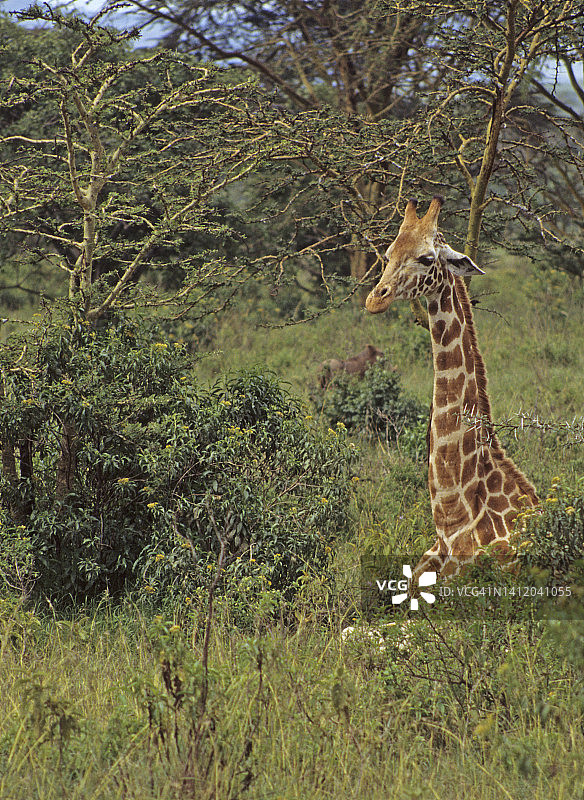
point(118, 166)
point(137, 150)
point(450, 77)
point(364, 60)
point(481, 113)
point(114, 167)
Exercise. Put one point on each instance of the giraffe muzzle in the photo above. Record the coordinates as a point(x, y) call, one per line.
point(379, 299)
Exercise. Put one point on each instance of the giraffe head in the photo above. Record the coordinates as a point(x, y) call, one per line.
point(418, 260)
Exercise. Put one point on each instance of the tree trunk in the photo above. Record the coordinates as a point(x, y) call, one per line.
point(67, 466)
point(9, 463)
point(360, 262)
point(18, 510)
point(25, 450)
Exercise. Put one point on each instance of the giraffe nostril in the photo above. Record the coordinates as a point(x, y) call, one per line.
point(384, 291)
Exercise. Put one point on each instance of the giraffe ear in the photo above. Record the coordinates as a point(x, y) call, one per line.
point(458, 263)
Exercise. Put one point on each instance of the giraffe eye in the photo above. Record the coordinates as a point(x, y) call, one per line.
point(427, 260)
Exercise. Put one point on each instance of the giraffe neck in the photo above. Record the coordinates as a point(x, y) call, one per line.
point(476, 491)
point(461, 433)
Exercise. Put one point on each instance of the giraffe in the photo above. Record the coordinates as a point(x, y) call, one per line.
point(476, 491)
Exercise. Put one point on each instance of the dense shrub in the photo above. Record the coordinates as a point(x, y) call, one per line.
point(156, 470)
point(376, 404)
point(552, 537)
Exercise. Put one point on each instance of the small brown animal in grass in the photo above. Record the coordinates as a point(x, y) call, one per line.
point(356, 365)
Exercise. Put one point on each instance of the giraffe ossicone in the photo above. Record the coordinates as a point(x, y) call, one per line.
point(476, 491)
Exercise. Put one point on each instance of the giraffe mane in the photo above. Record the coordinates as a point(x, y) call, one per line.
point(480, 369)
point(497, 451)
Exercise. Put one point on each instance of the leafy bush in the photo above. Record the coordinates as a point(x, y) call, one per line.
point(553, 538)
point(122, 474)
point(376, 405)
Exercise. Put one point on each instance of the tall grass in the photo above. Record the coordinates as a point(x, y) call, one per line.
point(107, 706)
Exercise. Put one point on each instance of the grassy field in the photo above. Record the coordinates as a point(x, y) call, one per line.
point(108, 706)
point(125, 702)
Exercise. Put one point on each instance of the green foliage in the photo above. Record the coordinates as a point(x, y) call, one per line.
point(553, 538)
point(268, 484)
point(158, 473)
point(17, 571)
point(376, 405)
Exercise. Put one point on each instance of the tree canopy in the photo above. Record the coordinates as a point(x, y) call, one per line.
point(455, 75)
point(156, 174)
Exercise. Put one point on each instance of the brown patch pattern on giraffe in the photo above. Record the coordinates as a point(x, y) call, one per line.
point(469, 469)
point(449, 359)
point(446, 302)
point(446, 332)
point(495, 482)
point(446, 423)
point(450, 513)
point(447, 390)
point(469, 442)
point(447, 464)
point(465, 546)
point(470, 401)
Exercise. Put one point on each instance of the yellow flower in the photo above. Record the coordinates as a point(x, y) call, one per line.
point(123, 480)
point(149, 589)
point(159, 556)
point(552, 500)
point(355, 478)
point(570, 509)
point(225, 403)
point(152, 505)
point(174, 628)
point(323, 500)
point(557, 479)
point(161, 345)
